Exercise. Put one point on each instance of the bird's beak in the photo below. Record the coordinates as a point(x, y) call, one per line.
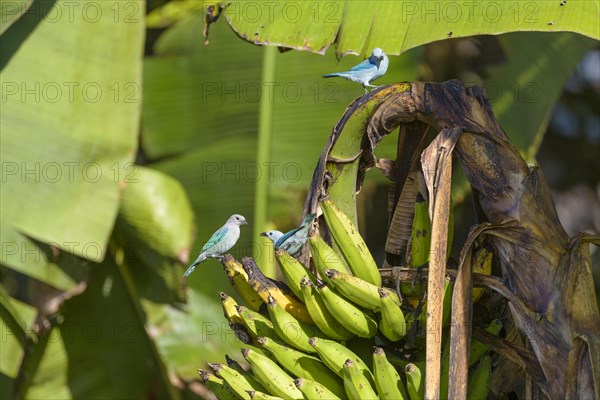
point(264, 234)
point(245, 222)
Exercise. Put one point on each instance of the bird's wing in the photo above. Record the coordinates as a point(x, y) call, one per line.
point(215, 238)
point(363, 65)
point(287, 236)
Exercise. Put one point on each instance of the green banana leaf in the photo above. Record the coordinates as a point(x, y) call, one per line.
point(98, 346)
point(10, 11)
point(70, 115)
point(395, 26)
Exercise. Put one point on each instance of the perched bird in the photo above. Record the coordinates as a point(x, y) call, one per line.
point(372, 68)
point(220, 242)
point(293, 240)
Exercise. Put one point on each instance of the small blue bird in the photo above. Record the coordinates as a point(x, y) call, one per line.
point(293, 240)
point(372, 68)
point(220, 242)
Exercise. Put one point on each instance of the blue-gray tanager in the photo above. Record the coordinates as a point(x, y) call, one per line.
point(293, 240)
point(220, 242)
point(372, 68)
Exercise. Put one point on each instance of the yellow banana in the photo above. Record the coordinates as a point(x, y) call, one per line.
point(264, 287)
point(351, 243)
point(239, 281)
point(324, 257)
point(229, 309)
point(478, 387)
point(238, 382)
point(256, 324)
point(392, 324)
point(292, 331)
point(387, 381)
point(218, 386)
point(320, 314)
point(314, 390)
point(302, 365)
point(293, 271)
point(357, 290)
point(357, 386)
point(414, 382)
point(271, 376)
point(333, 354)
point(348, 315)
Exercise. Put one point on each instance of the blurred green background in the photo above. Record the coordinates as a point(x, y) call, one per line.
point(126, 141)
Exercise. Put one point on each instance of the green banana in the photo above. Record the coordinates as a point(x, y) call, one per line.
point(256, 323)
point(351, 243)
point(392, 324)
point(264, 287)
point(218, 386)
point(237, 381)
point(229, 309)
point(314, 390)
point(333, 354)
point(291, 330)
point(478, 387)
point(320, 314)
point(358, 290)
point(324, 257)
point(256, 395)
point(420, 243)
point(357, 386)
point(271, 376)
point(293, 271)
point(231, 363)
point(414, 382)
point(348, 315)
point(387, 381)
point(478, 348)
point(482, 265)
point(238, 278)
point(302, 365)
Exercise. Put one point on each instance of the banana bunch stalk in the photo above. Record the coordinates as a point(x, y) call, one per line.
point(296, 331)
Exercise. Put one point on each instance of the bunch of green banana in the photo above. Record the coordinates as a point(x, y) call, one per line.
point(301, 330)
point(350, 243)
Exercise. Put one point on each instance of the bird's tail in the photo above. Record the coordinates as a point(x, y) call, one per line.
point(308, 220)
point(190, 270)
point(194, 265)
point(333, 75)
